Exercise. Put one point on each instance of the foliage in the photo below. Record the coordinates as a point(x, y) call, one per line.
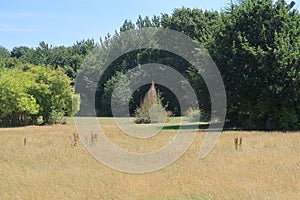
point(255, 44)
point(122, 94)
point(151, 109)
point(196, 115)
point(4, 53)
point(257, 47)
point(193, 114)
point(67, 58)
point(52, 91)
point(196, 23)
point(56, 117)
point(16, 104)
point(28, 92)
point(75, 104)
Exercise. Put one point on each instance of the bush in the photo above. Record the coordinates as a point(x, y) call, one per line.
point(142, 117)
point(196, 115)
point(151, 109)
point(56, 117)
point(75, 104)
point(288, 120)
point(28, 92)
point(193, 115)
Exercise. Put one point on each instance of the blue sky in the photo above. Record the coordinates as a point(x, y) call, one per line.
point(62, 22)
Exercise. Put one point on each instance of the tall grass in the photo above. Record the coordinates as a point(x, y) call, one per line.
point(49, 166)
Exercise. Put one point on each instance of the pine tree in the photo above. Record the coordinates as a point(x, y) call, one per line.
point(151, 109)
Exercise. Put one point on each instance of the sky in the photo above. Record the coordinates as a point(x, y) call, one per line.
point(63, 22)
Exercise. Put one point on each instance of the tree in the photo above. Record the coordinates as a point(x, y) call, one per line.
point(197, 24)
point(151, 109)
point(52, 91)
point(122, 93)
point(256, 48)
point(27, 92)
point(4, 53)
point(21, 51)
point(127, 25)
point(255, 44)
point(16, 104)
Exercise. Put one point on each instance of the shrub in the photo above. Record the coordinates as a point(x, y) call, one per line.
point(193, 114)
point(196, 115)
point(28, 92)
point(56, 117)
point(151, 109)
point(288, 120)
point(75, 104)
point(142, 117)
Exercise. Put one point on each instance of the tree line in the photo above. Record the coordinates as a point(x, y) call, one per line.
point(254, 43)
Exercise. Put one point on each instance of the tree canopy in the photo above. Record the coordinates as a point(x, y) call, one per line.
point(28, 92)
point(254, 43)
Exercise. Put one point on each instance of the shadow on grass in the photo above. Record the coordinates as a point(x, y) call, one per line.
point(186, 127)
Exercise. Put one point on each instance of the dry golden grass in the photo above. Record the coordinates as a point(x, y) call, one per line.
point(49, 167)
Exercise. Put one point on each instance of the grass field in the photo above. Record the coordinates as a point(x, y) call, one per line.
point(49, 167)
